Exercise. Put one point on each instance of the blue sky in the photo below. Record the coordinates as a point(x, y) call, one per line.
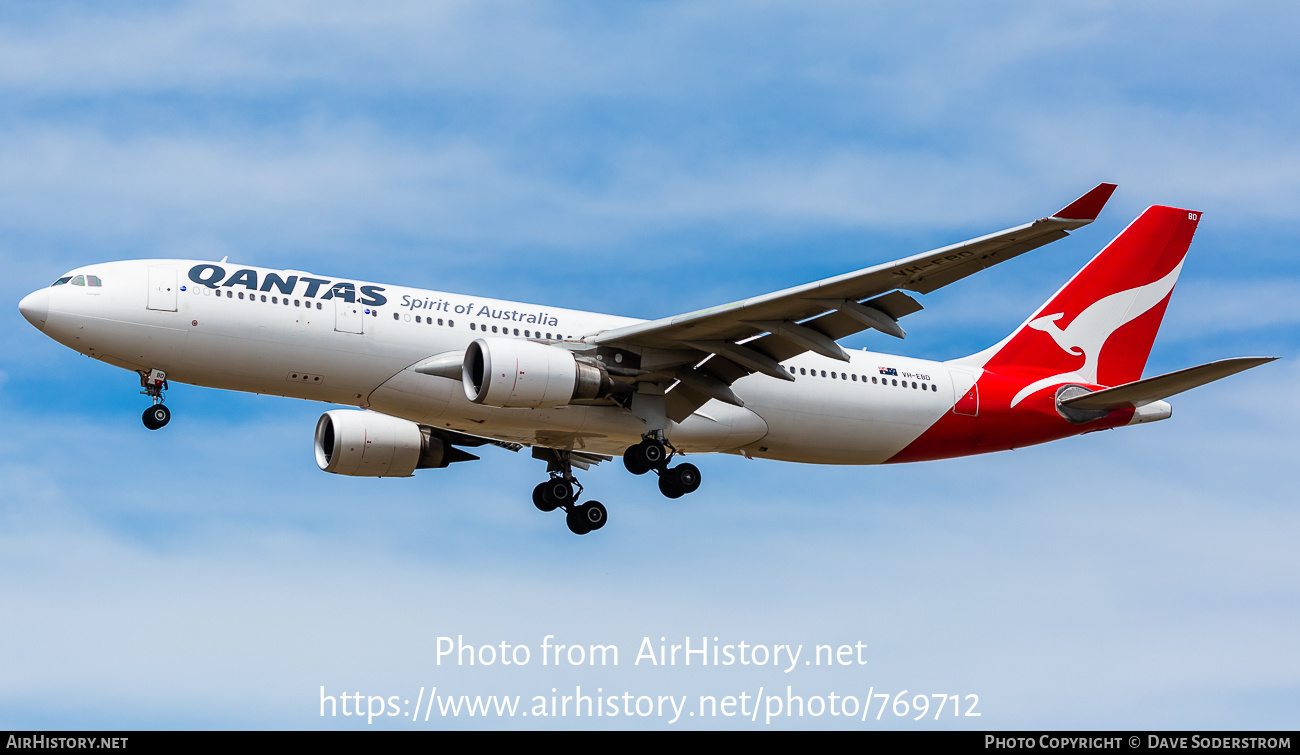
point(647, 159)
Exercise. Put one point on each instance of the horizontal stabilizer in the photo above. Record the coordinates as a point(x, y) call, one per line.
point(1151, 389)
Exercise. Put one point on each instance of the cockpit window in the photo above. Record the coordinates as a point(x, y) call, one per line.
point(80, 280)
point(93, 280)
point(60, 281)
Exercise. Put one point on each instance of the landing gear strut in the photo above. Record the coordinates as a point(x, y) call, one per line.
point(561, 491)
point(154, 382)
point(654, 453)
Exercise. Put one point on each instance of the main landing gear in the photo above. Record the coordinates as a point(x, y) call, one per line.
point(154, 382)
point(654, 453)
point(561, 491)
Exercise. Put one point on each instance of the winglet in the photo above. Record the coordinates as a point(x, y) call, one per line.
point(1088, 206)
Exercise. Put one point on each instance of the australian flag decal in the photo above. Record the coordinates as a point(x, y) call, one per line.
point(889, 371)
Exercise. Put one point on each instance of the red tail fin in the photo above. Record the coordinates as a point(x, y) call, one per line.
point(1100, 326)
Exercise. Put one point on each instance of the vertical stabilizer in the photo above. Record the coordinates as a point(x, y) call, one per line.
point(1100, 326)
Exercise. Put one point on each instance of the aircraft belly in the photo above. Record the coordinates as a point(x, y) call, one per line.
point(717, 427)
point(441, 402)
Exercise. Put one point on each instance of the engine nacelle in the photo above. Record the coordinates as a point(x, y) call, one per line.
point(370, 444)
point(507, 372)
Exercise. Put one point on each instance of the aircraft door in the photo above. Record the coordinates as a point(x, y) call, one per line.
point(349, 317)
point(966, 394)
point(162, 289)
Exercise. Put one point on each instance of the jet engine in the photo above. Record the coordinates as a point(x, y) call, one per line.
point(506, 372)
point(370, 444)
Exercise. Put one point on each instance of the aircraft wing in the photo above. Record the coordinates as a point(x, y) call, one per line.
point(755, 335)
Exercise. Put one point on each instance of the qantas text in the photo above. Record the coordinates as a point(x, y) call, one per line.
point(213, 276)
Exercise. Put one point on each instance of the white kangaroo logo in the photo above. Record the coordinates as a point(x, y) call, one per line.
point(1088, 333)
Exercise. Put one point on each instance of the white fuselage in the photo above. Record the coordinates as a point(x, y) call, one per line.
point(269, 334)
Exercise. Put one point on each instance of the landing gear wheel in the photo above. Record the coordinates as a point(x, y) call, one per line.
point(157, 416)
point(686, 477)
point(653, 453)
point(668, 486)
point(577, 525)
point(680, 480)
point(634, 462)
point(588, 517)
point(647, 455)
point(539, 498)
point(595, 514)
point(555, 492)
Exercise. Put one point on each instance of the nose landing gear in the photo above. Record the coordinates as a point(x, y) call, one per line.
point(154, 382)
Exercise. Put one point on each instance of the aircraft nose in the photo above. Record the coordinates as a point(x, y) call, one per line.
point(36, 307)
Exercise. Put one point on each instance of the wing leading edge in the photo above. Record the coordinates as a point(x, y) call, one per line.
point(756, 334)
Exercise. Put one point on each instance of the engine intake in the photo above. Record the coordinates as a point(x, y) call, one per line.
point(370, 444)
point(505, 372)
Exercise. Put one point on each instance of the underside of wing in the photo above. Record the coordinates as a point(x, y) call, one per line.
point(703, 352)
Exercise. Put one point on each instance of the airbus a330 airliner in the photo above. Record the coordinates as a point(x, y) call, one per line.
point(433, 372)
